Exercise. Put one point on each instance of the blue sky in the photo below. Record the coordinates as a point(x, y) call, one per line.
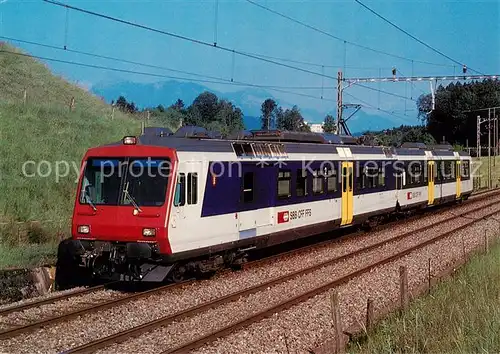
point(466, 30)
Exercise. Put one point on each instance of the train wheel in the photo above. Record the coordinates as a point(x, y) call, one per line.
point(68, 272)
point(178, 274)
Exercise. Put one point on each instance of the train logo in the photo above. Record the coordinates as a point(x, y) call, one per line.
point(283, 216)
point(411, 195)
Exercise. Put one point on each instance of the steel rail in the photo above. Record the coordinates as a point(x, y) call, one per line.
point(147, 327)
point(8, 333)
point(12, 332)
point(51, 300)
point(475, 197)
point(197, 343)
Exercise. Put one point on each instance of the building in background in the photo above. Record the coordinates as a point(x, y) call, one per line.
point(315, 127)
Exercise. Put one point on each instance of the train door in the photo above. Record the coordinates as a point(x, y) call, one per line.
point(430, 180)
point(256, 190)
point(458, 174)
point(186, 205)
point(347, 193)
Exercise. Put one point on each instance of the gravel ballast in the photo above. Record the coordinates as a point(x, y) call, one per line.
point(90, 327)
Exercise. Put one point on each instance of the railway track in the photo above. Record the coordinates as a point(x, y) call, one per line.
point(241, 301)
point(17, 329)
point(475, 197)
point(286, 304)
point(52, 299)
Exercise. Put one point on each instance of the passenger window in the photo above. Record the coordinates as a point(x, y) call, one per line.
point(180, 190)
point(399, 180)
point(381, 177)
point(192, 188)
point(284, 183)
point(371, 177)
point(344, 179)
point(318, 182)
point(351, 177)
point(447, 171)
point(301, 185)
point(331, 180)
point(465, 170)
point(248, 187)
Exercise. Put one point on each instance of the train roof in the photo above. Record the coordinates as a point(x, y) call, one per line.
point(196, 139)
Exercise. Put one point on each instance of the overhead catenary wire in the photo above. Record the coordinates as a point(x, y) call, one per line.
point(93, 66)
point(385, 92)
point(319, 65)
point(223, 80)
point(316, 29)
point(412, 36)
point(254, 56)
point(369, 105)
point(413, 84)
point(99, 56)
point(125, 61)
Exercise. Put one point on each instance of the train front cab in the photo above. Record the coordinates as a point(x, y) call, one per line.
point(118, 226)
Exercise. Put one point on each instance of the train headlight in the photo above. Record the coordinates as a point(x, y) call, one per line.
point(84, 229)
point(129, 140)
point(149, 232)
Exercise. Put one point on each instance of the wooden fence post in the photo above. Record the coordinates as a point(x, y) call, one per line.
point(72, 104)
point(403, 286)
point(463, 246)
point(369, 313)
point(113, 113)
point(429, 275)
point(25, 96)
point(337, 323)
point(486, 246)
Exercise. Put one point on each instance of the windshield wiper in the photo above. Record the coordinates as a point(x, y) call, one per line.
point(89, 200)
point(127, 194)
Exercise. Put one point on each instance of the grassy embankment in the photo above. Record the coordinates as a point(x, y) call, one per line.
point(461, 315)
point(43, 129)
point(482, 172)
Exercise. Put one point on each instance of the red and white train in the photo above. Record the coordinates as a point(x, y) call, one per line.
point(163, 206)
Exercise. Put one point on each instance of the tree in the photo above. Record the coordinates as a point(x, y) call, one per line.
point(131, 108)
point(229, 117)
point(207, 105)
point(397, 136)
point(125, 106)
point(292, 120)
point(268, 117)
point(329, 125)
point(214, 114)
point(168, 117)
point(449, 118)
point(121, 103)
point(178, 105)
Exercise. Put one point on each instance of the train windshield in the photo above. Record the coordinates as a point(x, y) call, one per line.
point(125, 181)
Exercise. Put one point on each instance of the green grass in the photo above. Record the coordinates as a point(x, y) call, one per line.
point(482, 172)
point(28, 255)
point(44, 129)
point(461, 315)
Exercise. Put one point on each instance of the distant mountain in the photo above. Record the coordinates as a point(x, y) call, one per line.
point(248, 100)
